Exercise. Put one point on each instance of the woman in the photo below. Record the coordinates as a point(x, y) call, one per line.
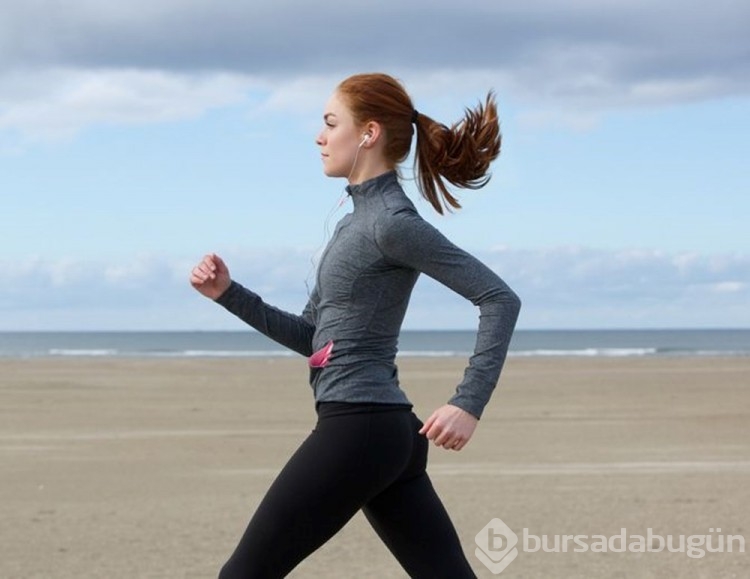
point(368, 450)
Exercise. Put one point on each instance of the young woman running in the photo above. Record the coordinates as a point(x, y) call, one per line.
point(368, 450)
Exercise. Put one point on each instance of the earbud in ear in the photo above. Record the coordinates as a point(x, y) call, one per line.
point(365, 139)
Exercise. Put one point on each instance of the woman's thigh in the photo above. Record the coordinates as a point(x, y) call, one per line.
point(342, 464)
point(411, 520)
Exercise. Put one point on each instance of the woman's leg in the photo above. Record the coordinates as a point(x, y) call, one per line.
point(413, 523)
point(344, 462)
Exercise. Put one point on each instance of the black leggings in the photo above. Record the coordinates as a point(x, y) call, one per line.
point(365, 457)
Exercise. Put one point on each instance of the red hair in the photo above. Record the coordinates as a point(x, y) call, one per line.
point(460, 154)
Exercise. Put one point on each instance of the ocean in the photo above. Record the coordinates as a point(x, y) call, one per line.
point(585, 343)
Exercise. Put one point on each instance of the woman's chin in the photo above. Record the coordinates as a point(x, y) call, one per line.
point(332, 173)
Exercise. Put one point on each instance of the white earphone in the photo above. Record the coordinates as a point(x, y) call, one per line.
point(365, 139)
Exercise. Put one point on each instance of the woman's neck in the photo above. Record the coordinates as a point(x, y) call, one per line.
point(368, 168)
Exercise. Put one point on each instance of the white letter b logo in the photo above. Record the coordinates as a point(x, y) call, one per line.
point(496, 546)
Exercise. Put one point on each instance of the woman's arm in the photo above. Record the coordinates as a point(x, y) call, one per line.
point(294, 332)
point(407, 239)
point(211, 278)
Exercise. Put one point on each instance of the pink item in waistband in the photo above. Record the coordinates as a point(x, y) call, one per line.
point(320, 358)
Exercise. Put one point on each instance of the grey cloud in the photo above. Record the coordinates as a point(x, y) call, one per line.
point(585, 51)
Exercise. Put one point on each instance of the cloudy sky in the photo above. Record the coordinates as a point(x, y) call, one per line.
point(137, 136)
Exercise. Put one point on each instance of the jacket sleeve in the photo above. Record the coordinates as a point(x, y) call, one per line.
point(407, 239)
point(294, 332)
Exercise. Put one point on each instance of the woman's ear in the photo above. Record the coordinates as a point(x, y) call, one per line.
point(372, 132)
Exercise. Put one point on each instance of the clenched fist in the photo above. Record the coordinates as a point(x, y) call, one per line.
point(211, 276)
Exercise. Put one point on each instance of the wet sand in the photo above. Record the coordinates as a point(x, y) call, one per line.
point(136, 468)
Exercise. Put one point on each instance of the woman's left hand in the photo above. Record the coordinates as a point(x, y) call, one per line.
point(450, 427)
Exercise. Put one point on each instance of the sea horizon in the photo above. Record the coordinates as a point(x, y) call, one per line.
point(582, 342)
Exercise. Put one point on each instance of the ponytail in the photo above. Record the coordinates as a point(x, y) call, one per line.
point(460, 155)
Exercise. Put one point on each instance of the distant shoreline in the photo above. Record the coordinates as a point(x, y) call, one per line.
point(412, 343)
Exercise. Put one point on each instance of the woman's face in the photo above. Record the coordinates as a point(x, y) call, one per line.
point(339, 140)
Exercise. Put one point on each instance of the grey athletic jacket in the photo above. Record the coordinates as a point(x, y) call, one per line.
point(349, 329)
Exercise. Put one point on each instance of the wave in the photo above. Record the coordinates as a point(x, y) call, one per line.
point(236, 354)
point(82, 352)
point(588, 352)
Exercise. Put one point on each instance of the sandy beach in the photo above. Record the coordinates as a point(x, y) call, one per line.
point(150, 468)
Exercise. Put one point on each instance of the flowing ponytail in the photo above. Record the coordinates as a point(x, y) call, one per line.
point(460, 154)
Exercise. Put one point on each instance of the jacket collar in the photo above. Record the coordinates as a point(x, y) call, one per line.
point(378, 183)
